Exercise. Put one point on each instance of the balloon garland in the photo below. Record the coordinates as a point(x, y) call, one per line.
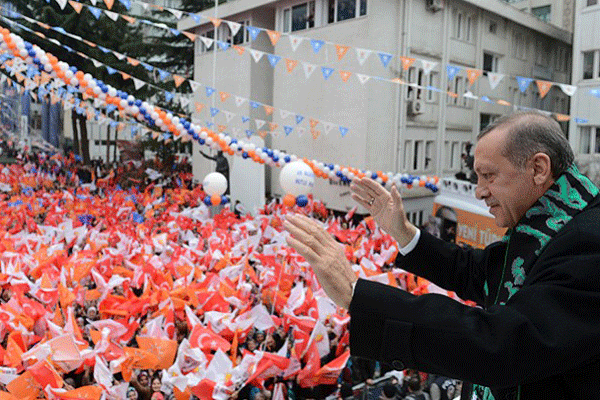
point(182, 129)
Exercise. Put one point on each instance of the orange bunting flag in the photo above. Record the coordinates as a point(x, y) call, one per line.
point(216, 21)
point(129, 19)
point(109, 3)
point(133, 61)
point(544, 87)
point(189, 35)
point(407, 62)
point(473, 75)
point(268, 110)
point(562, 117)
point(178, 80)
point(125, 76)
point(313, 123)
point(221, 127)
point(315, 133)
point(452, 94)
point(504, 103)
point(224, 96)
point(341, 51)
point(272, 126)
point(40, 34)
point(290, 64)
point(199, 106)
point(274, 36)
point(240, 49)
point(76, 6)
point(262, 134)
point(345, 75)
point(165, 349)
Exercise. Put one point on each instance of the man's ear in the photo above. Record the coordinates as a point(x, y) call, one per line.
point(542, 168)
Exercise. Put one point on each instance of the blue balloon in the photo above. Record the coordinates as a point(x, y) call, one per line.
point(234, 141)
point(244, 155)
point(374, 175)
point(287, 159)
point(224, 200)
point(201, 141)
point(301, 201)
point(207, 201)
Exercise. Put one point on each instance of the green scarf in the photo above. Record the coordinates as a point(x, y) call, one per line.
point(567, 197)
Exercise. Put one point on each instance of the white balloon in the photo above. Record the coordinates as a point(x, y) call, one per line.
point(214, 183)
point(297, 178)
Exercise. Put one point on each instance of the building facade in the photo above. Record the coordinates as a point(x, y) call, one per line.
point(398, 114)
point(585, 136)
point(557, 12)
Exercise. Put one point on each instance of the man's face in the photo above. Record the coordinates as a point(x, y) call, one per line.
point(507, 190)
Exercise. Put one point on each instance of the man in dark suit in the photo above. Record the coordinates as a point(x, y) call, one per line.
point(536, 332)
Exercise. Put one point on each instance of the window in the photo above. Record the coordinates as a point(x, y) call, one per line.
point(242, 36)
point(485, 120)
point(341, 10)
point(542, 53)
point(416, 76)
point(463, 25)
point(542, 13)
point(490, 62)
point(429, 153)
point(519, 46)
point(493, 28)
point(560, 61)
point(432, 80)
point(457, 86)
point(597, 145)
point(454, 155)
point(415, 217)
point(592, 2)
point(588, 64)
point(417, 154)
point(584, 139)
point(299, 17)
point(407, 154)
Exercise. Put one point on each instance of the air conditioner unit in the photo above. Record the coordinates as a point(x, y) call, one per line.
point(414, 107)
point(434, 5)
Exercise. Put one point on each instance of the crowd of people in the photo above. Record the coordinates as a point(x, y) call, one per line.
point(125, 275)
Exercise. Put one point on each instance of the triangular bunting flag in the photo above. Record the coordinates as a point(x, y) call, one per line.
point(133, 61)
point(363, 78)
point(288, 130)
point(239, 49)
point(62, 4)
point(272, 126)
point(209, 91)
point(268, 110)
point(129, 19)
point(290, 64)
point(316, 45)
point(256, 54)
point(341, 51)
point(189, 35)
point(384, 58)
point(214, 111)
point(562, 117)
point(313, 123)
point(239, 101)
point(326, 72)
point(308, 69)
point(253, 32)
point(178, 14)
point(362, 55)
point(315, 134)
point(299, 119)
point(345, 75)
point(76, 6)
point(544, 87)
point(208, 42)
point(109, 3)
point(259, 123)
point(112, 15)
point(569, 90)
point(295, 41)
point(224, 96)
point(216, 21)
point(178, 80)
point(452, 71)
point(234, 27)
point(494, 79)
point(194, 85)
point(473, 75)
point(407, 62)
point(199, 107)
point(328, 127)
point(343, 131)
point(274, 36)
point(284, 114)
point(273, 59)
point(523, 83)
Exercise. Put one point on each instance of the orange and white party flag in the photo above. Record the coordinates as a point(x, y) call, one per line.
point(407, 62)
point(544, 87)
point(109, 3)
point(345, 75)
point(341, 51)
point(290, 64)
point(274, 36)
point(473, 75)
point(76, 6)
point(178, 80)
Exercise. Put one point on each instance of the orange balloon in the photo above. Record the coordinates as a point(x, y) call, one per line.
point(215, 199)
point(289, 200)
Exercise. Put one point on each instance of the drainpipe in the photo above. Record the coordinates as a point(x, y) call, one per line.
point(403, 49)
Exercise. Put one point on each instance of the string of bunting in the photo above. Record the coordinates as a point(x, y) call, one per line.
point(473, 74)
point(328, 126)
point(179, 127)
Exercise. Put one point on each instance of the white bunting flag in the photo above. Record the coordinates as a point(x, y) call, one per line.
point(208, 42)
point(94, 2)
point(62, 3)
point(363, 78)
point(428, 66)
point(300, 131)
point(178, 14)
point(328, 127)
point(256, 54)
point(228, 115)
point(284, 114)
point(234, 27)
point(259, 123)
point(295, 41)
point(308, 69)
point(194, 85)
point(119, 55)
point(96, 63)
point(494, 79)
point(239, 101)
point(569, 90)
point(362, 55)
point(184, 101)
point(112, 15)
point(138, 83)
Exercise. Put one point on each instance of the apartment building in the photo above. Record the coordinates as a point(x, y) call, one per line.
point(418, 129)
point(557, 12)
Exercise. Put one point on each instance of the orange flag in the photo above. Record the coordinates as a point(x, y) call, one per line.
point(216, 21)
point(345, 75)
point(127, 18)
point(313, 123)
point(544, 87)
point(190, 36)
point(45, 374)
point(262, 134)
point(224, 96)
point(341, 51)
point(109, 3)
point(272, 126)
point(76, 6)
point(473, 75)
point(199, 107)
point(268, 110)
point(133, 61)
point(240, 50)
point(290, 64)
point(24, 387)
point(407, 62)
point(562, 117)
point(178, 80)
point(81, 393)
point(274, 36)
point(165, 349)
point(315, 134)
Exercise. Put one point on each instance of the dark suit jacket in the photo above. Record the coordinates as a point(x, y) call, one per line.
point(544, 343)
